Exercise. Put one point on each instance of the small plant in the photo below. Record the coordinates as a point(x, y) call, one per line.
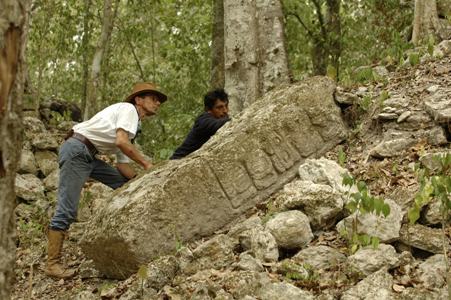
point(435, 184)
point(382, 97)
point(414, 59)
point(365, 103)
point(341, 157)
point(361, 202)
point(142, 276)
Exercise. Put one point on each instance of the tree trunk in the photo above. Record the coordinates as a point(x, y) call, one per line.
point(12, 40)
point(333, 25)
point(109, 14)
point(255, 53)
point(425, 22)
point(217, 47)
point(85, 45)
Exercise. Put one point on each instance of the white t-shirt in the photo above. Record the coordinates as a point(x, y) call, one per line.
point(101, 128)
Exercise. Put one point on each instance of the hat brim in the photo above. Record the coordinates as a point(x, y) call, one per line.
point(160, 95)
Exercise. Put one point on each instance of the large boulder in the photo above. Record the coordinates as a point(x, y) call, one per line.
point(245, 162)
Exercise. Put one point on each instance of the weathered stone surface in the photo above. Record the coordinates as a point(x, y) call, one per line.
point(246, 161)
point(432, 272)
point(29, 187)
point(161, 272)
point(283, 291)
point(324, 171)
point(320, 202)
point(439, 106)
point(291, 229)
point(386, 229)
point(27, 163)
point(369, 260)
point(47, 161)
point(422, 237)
point(216, 253)
point(319, 257)
point(261, 243)
point(377, 286)
point(51, 181)
point(249, 263)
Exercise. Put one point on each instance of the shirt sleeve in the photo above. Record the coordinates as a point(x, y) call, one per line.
point(210, 124)
point(127, 118)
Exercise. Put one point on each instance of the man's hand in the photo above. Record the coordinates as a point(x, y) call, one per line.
point(123, 143)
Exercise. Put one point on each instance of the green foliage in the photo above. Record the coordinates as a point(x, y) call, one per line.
point(434, 184)
point(361, 202)
point(414, 58)
point(365, 103)
point(341, 157)
point(364, 74)
point(371, 32)
point(142, 274)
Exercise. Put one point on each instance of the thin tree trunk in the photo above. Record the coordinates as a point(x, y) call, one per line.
point(94, 82)
point(12, 43)
point(255, 53)
point(217, 47)
point(425, 22)
point(333, 25)
point(85, 47)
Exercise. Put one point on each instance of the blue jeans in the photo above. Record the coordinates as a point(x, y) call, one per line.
point(76, 165)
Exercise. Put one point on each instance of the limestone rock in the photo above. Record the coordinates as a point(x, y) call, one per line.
point(47, 161)
point(386, 229)
point(323, 171)
point(215, 253)
point(27, 163)
point(248, 263)
point(51, 181)
point(320, 202)
point(368, 260)
point(291, 229)
point(261, 243)
point(29, 187)
point(283, 291)
point(319, 257)
point(377, 286)
point(422, 237)
point(432, 272)
point(246, 161)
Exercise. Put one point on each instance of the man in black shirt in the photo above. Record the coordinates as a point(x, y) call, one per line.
point(216, 112)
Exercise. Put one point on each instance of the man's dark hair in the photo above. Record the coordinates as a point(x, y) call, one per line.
point(211, 97)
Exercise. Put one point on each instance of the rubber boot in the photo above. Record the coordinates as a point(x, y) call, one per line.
point(54, 267)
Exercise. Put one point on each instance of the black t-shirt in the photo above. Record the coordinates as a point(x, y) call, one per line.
point(204, 127)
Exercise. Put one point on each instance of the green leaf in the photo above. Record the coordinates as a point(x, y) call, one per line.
point(143, 272)
point(413, 214)
point(374, 242)
point(347, 179)
point(386, 209)
point(351, 206)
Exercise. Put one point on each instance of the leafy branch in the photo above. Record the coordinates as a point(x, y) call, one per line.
point(360, 203)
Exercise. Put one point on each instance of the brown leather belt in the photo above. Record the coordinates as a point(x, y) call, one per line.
point(92, 149)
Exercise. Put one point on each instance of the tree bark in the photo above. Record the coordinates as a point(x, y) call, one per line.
point(425, 22)
point(333, 24)
point(255, 52)
point(217, 47)
point(13, 17)
point(109, 14)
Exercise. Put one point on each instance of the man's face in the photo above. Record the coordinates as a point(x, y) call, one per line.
point(220, 109)
point(150, 104)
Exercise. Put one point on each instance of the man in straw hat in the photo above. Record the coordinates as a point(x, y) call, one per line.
point(110, 131)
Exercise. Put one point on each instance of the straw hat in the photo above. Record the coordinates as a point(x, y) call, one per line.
point(145, 87)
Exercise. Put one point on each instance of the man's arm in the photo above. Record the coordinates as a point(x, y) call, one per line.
point(124, 144)
point(210, 124)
